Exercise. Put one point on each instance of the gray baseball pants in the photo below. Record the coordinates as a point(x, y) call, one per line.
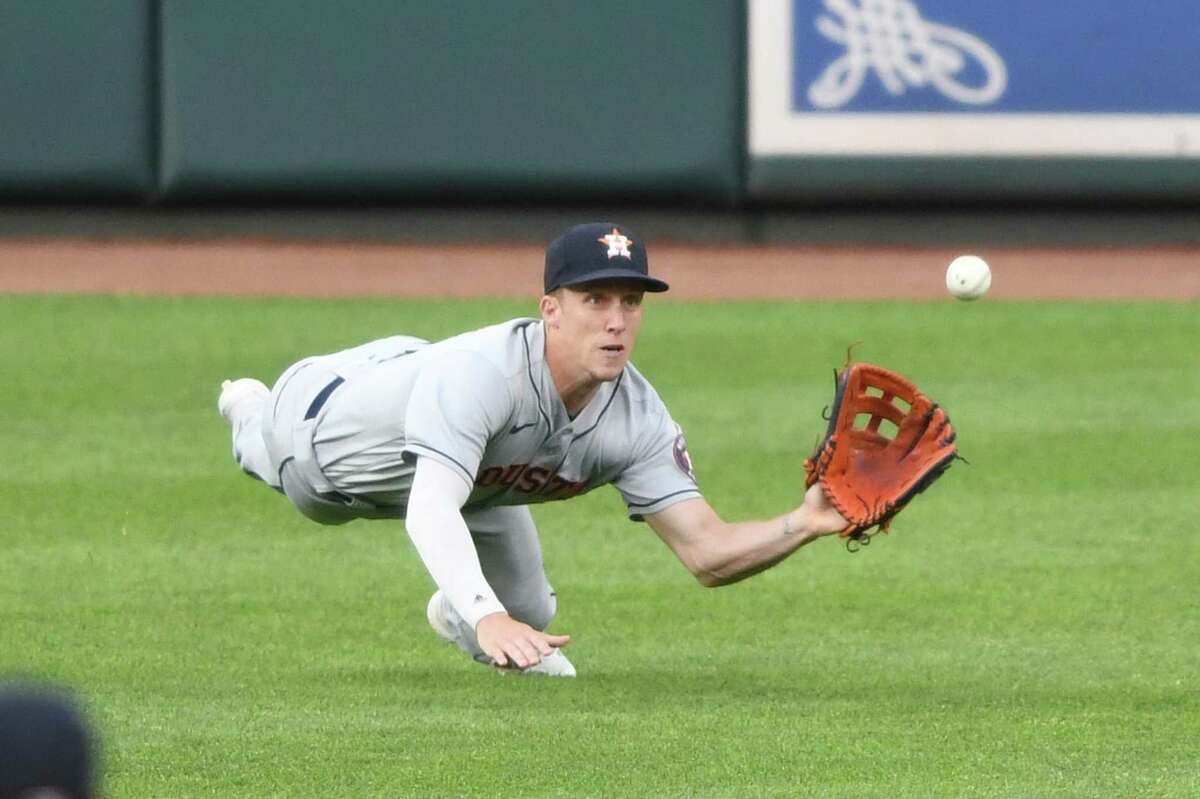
point(272, 441)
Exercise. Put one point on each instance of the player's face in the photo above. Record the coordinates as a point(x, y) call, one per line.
point(598, 325)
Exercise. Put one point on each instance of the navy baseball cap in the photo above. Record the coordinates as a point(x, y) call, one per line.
point(44, 743)
point(598, 251)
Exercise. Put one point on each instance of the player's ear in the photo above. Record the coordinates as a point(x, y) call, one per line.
point(549, 306)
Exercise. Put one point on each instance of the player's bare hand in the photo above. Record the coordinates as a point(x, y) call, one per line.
point(510, 643)
point(820, 517)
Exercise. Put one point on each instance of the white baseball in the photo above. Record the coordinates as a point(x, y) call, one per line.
point(968, 277)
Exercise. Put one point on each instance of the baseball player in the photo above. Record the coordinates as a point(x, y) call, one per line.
point(459, 436)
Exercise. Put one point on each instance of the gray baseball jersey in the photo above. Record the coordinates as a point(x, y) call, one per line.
point(484, 404)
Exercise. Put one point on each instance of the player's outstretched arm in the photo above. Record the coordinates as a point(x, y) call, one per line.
point(437, 529)
point(718, 553)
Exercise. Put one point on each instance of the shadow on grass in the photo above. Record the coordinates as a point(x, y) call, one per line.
point(632, 690)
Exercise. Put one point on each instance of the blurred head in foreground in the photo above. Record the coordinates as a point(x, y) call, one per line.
point(46, 750)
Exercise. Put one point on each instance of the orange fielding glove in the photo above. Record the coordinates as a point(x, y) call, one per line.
point(867, 475)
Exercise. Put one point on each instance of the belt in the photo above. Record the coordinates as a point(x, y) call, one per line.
point(322, 396)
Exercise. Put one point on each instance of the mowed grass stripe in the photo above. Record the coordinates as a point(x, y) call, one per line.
point(1029, 628)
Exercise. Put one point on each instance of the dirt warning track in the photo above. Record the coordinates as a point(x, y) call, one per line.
point(504, 269)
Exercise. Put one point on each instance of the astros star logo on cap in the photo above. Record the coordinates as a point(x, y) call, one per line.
point(618, 243)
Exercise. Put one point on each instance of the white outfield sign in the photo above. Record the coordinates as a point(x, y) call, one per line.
point(897, 78)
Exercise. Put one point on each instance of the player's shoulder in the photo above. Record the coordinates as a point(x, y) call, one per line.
point(504, 347)
point(639, 394)
point(636, 384)
point(639, 415)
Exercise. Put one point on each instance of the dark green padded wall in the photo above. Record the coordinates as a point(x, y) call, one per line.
point(77, 80)
point(477, 99)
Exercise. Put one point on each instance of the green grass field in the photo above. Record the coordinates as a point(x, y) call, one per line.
point(1030, 629)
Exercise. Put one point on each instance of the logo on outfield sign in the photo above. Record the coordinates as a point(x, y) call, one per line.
point(891, 39)
point(949, 78)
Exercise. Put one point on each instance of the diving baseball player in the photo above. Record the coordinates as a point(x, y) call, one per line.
point(459, 436)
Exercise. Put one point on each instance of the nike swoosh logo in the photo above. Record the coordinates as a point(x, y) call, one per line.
point(516, 428)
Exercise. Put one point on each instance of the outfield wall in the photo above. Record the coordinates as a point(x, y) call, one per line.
point(724, 104)
point(77, 84)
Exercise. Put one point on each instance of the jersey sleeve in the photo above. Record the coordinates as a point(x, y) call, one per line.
point(457, 401)
point(660, 472)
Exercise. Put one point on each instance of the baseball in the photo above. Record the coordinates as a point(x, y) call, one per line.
point(968, 277)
